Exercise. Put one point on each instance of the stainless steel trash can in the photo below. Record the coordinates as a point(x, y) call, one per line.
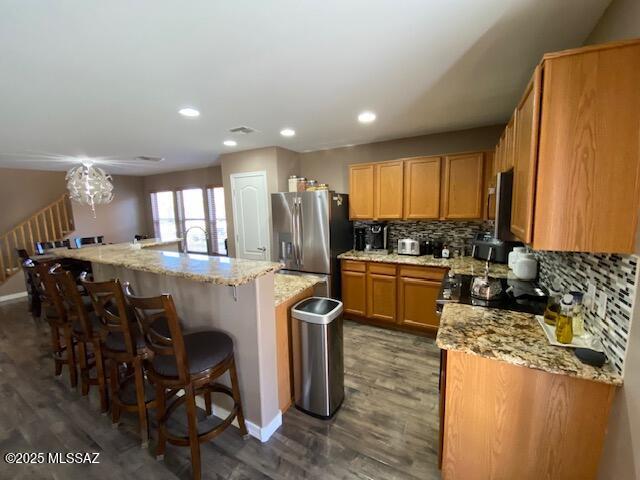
point(318, 367)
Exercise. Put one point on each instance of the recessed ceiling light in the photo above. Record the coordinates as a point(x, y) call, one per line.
point(189, 112)
point(230, 143)
point(287, 132)
point(366, 117)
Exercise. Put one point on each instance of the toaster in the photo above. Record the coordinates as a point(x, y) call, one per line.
point(407, 246)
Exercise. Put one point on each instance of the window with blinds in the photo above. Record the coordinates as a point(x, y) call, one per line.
point(195, 214)
point(163, 212)
point(217, 220)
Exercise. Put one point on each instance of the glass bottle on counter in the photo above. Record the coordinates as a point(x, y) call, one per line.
point(564, 320)
point(578, 318)
point(553, 303)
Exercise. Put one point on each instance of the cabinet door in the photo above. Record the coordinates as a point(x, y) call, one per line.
point(463, 182)
point(422, 188)
point(525, 159)
point(381, 297)
point(354, 293)
point(489, 198)
point(507, 160)
point(588, 180)
point(388, 192)
point(417, 303)
point(361, 189)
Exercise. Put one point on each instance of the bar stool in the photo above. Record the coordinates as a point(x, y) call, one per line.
point(54, 313)
point(192, 363)
point(86, 330)
point(123, 344)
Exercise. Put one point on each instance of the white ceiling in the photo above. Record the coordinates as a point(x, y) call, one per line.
point(106, 78)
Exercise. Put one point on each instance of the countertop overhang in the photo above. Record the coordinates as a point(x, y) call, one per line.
point(201, 268)
point(514, 338)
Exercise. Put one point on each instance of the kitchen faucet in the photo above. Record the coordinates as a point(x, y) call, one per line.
point(184, 240)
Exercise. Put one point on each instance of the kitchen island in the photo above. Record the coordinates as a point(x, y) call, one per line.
point(514, 406)
point(228, 294)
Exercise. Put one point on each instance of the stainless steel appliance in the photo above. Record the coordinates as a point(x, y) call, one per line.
point(318, 358)
point(310, 229)
point(408, 246)
point(503, 193)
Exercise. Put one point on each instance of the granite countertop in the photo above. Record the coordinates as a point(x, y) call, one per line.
point(514, 338)
point(288, 286)
point(460, 265)
point(197, 267)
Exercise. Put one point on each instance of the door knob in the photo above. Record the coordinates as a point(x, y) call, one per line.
point(262, 249)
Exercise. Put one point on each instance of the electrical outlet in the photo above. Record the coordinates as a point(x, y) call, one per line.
point(602, 305)
point(589, 299)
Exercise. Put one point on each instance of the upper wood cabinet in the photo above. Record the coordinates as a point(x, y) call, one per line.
point(576, 137)
point(463, 186)
point(422, 188)
point(389, 179)
point(527, 120)
point(490, 178)
point(361, 188)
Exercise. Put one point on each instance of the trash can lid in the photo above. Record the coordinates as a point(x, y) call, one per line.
point(319, 310)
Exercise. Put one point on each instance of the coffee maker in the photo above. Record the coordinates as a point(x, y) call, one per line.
point(359, 238)
point(378, 233)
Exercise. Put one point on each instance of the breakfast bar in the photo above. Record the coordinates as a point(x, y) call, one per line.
point(228, 294)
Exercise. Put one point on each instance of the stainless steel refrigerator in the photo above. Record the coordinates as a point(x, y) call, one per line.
point(310, 229)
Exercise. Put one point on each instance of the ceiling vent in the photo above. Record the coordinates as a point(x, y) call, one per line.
point(244, 130)
point(146, 158)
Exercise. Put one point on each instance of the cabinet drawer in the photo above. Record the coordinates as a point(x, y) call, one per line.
point(427, 273)
point(382, 268)
point(353, 266)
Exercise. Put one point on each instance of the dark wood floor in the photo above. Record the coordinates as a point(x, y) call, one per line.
point(386, 428)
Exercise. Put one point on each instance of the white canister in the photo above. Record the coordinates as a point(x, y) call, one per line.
point(293, 183)
point(526, 267)
point(513, 256)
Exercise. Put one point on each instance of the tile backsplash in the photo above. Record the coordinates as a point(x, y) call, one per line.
point(453, 233)
point(613, 276)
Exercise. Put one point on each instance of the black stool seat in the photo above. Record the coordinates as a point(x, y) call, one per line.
point(204, 350)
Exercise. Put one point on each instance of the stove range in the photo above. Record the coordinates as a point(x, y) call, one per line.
point(517, 295)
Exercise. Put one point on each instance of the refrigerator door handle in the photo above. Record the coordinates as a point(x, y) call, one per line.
point(300, 233)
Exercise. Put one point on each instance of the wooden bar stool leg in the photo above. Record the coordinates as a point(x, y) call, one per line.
point(56, 347)
point(160, 410)
point(207, 403)
point(70, 356)
point(84, 371)
point(100, 372)
point(235, 389)
point(194, 442)
point(114, 381)
point(140, 400)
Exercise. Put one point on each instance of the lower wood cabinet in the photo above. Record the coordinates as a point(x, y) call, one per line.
point(401, 296)
point(381, 297)
point(417, 302)
point(354, 287)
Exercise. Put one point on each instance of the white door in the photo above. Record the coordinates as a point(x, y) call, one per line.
point(251, 215)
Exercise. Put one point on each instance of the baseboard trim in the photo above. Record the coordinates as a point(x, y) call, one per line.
point(261, 433)
point(12, 296)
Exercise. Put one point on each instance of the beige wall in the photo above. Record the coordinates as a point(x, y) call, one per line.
point(24, 192)
point(330, 166)
point(278, 163)
point(621, 456)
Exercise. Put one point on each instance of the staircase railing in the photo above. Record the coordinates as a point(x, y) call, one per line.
point(53, 222)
